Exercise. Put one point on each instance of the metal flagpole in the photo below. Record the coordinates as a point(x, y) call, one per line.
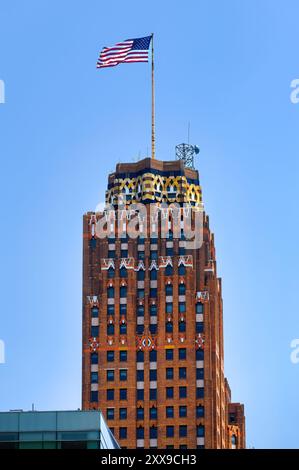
point(153, 101)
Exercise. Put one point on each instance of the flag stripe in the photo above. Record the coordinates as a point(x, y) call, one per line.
point(131, 50)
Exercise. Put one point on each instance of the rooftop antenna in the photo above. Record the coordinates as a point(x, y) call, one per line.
point(186, 153)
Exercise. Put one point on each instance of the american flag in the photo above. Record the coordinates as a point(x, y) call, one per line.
point(131, 50)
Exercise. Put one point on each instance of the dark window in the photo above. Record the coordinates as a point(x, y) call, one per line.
point(153, 356)
point(199, 327)
point(110, 309)
point(140, 413)
point(199, 373)
point(232, 418)
point(153, 432)
point(140, 311)
point(123, 291)
point(94, 331)
point(169, 251)
point(182, 250)
point(110, 413)
point(153, 374)
point(124, 253)
point(169, 373)
point(140, 293)
point(110, 292)
point(111, 273)
point(200, 411)
point(182, 354)
point(200, 431)
point(111, 254)
point(182, 289)
point(123, 394)
point(199, 354)
point(123, 272)
point(123, 373)
point(94, 312)
point(182, 270)
point(123, 413)
point(168, 270)
point(169, 431)
point(169, 354)
point(168, 289)
point(140, 433)
point(169, 392)
point(140, 356)
point(153, 394)
point(123, 329)
point(93, 396)
point(139, 329)
point(183, 392)
point(141, 255)
point(110, 394)
point(153, 293)
point(183, 411)
point(140, 375)
point(154, 275)
point(110, 375)
point(123, 433)
point(140, 394)
point(199, 308)
point(123, 309)
point(110, 329)
point(182, 307)
point(182, 372)
point(94, 377)
point(169, 412)
point(153, 328)
point(93, 243)
point(140, 275)
point(169, 307)
point(94, 358)
point(169, 327)
point(183, 430)
point(182, 326)
point(153, 412)
point(200, 392)
point(154, 255)
point(153, 310)
point(123, 356)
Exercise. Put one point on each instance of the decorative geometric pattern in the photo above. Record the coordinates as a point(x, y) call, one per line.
point(146, 341)
point(199, 341)
point(202, 296)
point(165, 261)
point(93, 300)
point(107, 263)
point(94, 344)
point(127, 263)
point(186, 260)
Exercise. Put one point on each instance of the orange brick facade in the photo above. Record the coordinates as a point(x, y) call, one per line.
point(153, 323)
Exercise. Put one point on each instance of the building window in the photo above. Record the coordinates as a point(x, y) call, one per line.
point(123, 291)
point(153, 293)
point(140, 433)
point(153, 394)
point(140, 394)
point(94, 358)
point(153, 432)
point(123, 309)
point(200, 411)
point(140, 413)
point(123, 394)
point(199, 354)
point(153, 328)
point(169, 307)
point(183, 411)
point(124, 254)
point(153, 310)
point(141, 255)
point(182, 372)
point(110, 413)
point(94, 331)
point(182, 354)
point(169, 354)
point(200, 431)
point(182, 289)
point(168, 289)
point(168, 270)
point(123, 329)
point(169, 251)
point(182, 250)
point(140, 275)
point(123, 272)
point(200, 392)
point(93, 243)
point(153, 355)
point(153, 374)
point(199, 327)
point(182, 326)
point(94, 378)
point(123, 356)
point(94, 312)
point(111, 254)
point(110, 394)
point(140, 356)
point(140, 293)
point(110, 310)
point(140, 311)
point(182, 270)
point(110, 292)
point(154, 275)
point(122, 433)
point(182, 307)
point(232, 418)
point(93, 397)
point(169, 373)
point(110, 329)
point(199, 373)
point(154, 255)
point(183, 392)
point(199, 307)
point(169, 392)
point(169, 431)
point(169, 412)
point(111, 273)
point(123, 413)
point(183, 430)
point(123, 373)
point(153, 412)
point(234, 441)
point(140, 375)
point(169, 327)
point(139, 329)
point(110, 375)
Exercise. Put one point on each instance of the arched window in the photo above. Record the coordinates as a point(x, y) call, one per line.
point(234, 441)
point(168, 270)
point(111, 272)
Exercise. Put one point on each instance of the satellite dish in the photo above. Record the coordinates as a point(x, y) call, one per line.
point(196, 149)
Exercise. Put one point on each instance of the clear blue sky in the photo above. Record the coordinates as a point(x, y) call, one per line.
point(224, 66)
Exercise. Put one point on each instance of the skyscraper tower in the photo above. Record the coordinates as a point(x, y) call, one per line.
point(152, 313)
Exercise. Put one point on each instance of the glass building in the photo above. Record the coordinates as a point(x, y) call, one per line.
point(55, 430)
